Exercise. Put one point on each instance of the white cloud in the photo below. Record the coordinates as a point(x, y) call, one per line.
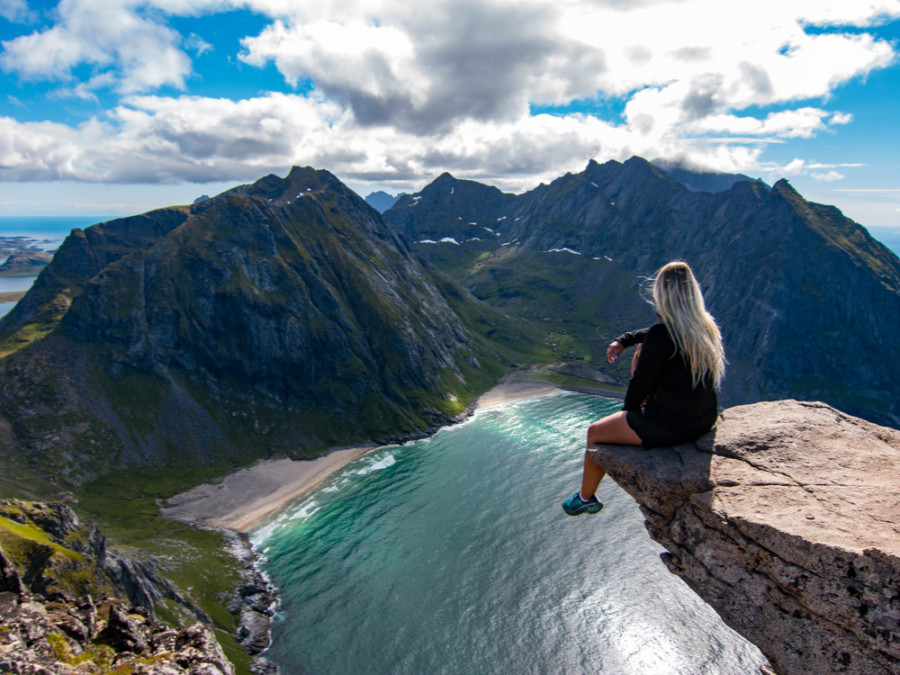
point(828, 177)
point(798, 123)
point(402, 90)
point(125, 49)
point(197, 44)
point(16, 11)
point(484, 60)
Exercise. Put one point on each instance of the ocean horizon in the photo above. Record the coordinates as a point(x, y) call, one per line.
point(48, 232)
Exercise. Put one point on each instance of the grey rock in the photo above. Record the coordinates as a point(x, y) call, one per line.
point(786, 520)
point(9, 577)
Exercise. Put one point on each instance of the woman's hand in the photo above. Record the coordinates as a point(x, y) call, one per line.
point(614, 350)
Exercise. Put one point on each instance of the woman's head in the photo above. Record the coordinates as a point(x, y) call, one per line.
point(679, 303)
point(676, 291)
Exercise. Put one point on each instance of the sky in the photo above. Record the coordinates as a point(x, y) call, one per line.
point(114, 107)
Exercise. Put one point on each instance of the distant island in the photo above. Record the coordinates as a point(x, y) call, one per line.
point(23, 263)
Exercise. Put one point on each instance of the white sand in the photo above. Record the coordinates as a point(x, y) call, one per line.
point(513, 391)
point(248, 496)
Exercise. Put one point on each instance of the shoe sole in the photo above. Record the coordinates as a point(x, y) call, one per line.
point(581, 511)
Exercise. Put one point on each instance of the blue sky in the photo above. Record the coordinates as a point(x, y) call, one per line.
point(112, 107)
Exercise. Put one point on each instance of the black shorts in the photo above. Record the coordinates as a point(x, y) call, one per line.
point(653, 435)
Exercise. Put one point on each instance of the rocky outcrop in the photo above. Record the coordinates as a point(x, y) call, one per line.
point(56, 635)
point(57, 553)
point(786, 520)
point(255, 602)
point(49, 557)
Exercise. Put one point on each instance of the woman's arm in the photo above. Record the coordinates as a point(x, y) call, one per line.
point(617, 346)
point(632, 337)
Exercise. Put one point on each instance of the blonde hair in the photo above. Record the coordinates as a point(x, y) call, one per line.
point(679, 303)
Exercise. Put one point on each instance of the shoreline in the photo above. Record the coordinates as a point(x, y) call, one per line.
point(249, 496)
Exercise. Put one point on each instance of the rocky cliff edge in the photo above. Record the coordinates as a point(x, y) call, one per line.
point(786, 520)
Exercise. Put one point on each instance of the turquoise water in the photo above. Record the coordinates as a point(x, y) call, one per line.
point(50, 227)
point(453, 555)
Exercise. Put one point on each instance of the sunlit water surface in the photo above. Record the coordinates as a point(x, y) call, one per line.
point(453, 555)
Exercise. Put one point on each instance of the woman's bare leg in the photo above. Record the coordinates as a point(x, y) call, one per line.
point(591, 477)
point(611, 429)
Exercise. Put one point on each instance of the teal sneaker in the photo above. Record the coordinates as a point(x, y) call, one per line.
point(575, 505)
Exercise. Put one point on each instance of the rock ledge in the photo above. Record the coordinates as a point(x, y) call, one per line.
point(786, 520)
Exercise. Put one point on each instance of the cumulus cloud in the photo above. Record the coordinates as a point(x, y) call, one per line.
point(160, 139)
point(16, 11)
point(393, 91)
point(123, 48)
point(799, 123)
point(423, 70)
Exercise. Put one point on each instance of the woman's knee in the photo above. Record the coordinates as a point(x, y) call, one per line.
point(598, 431)
point(597, 427)
point(612, 429)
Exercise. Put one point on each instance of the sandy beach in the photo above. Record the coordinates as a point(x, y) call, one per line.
point(249, 496)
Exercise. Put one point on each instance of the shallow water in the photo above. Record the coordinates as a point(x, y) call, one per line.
point(453, 555)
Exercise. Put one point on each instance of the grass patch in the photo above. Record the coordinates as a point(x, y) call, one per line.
point(34, 534)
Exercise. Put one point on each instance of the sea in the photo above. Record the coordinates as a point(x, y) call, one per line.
point(453, 555)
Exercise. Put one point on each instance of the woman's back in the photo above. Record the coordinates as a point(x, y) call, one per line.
point(663, 381)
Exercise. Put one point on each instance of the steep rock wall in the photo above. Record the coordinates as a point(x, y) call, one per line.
point(786, 519)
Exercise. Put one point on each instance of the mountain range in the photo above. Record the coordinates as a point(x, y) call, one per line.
point(288, 316)
point(807, 301)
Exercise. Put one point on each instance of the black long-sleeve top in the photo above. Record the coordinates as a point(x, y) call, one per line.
point(663, 385)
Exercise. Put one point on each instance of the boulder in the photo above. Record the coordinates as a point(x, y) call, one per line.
point(786, 520)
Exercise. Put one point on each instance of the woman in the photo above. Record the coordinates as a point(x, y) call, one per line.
point(675, 373)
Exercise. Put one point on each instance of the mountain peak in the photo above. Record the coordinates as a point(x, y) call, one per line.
point(274, 188)
point(783, 185)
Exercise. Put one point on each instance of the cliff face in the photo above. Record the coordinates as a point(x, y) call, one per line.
point(69, 604)
point(786, 520)
point(59, 634)
point(795, 286)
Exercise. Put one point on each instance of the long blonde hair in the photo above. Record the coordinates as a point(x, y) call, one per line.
point(679, 303)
